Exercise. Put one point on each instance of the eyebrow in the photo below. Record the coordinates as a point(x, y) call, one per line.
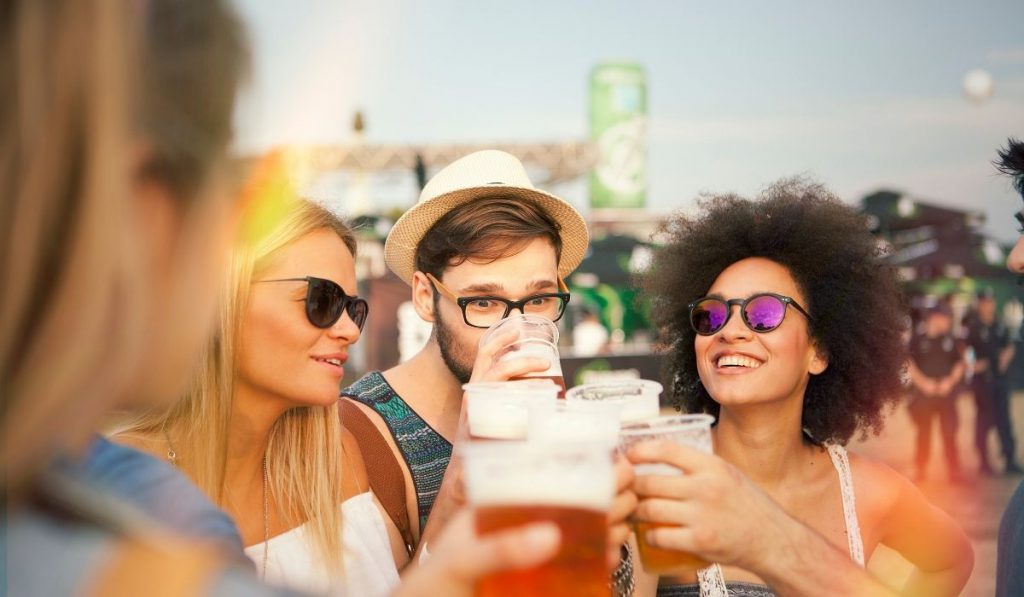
point(497, 288)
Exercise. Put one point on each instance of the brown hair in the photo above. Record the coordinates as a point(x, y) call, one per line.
point(484, 230)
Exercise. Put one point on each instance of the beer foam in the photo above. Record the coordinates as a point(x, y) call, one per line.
point(537, 349)
point(588, 488)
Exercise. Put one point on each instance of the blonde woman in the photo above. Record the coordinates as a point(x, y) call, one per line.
point(259, 431)
point(113, 232)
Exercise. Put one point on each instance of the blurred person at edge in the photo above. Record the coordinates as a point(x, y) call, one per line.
point(114, 231)
point(993, 350)
point(786, 326)
point(1010, 552)
point(480, 230)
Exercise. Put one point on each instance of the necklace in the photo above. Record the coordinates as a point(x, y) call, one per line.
point(266, 521)
point(172, 457)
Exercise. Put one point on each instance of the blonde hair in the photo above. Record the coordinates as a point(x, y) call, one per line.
point(72, 307)
point(304, 456)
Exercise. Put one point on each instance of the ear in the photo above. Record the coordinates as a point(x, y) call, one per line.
point(819, 362)
point(423, 296)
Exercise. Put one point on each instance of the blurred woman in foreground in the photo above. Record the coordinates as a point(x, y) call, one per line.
point(114, 230)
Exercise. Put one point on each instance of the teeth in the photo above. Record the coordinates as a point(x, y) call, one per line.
point(735, 360)
point(334, 362)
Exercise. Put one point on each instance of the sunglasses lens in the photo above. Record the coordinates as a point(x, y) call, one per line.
point(323, 302)
point(764, 313)
point(358, 310)
point(708, 316)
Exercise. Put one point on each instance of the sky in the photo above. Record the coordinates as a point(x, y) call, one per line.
point(858, 95)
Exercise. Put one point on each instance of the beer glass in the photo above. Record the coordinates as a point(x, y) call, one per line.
point(635, 399)
point(500, 410)
point(562, 421)
point(572, 485)
point(538, 337)
point(687, 430)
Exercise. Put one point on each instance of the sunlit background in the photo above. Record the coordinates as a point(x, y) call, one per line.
point(897, 107)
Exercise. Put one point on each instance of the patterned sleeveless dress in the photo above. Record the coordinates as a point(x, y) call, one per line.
point(425, 451)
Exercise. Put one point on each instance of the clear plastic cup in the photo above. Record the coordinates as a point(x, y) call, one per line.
point(565, 422)
point(636, 399)
point(510, 484)
point(687, 430)
point(528, 326)
point(500, 410)
point(537, 337)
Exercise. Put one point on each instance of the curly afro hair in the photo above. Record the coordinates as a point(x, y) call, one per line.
point(854, 297)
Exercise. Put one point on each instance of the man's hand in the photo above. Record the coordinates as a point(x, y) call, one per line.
point(488, 367)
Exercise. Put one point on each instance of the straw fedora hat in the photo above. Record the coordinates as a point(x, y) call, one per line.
point(481, 174)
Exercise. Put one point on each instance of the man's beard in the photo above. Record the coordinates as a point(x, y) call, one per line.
point(450, 350)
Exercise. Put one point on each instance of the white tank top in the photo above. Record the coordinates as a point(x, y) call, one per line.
point(712, 582)
point(369, 567)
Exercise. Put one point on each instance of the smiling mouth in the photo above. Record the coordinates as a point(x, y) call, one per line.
point(735, 361)
point(335, 362)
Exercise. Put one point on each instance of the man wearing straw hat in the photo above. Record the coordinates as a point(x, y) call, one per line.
point(479, 229)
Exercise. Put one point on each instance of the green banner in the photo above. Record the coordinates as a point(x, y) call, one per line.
point(618, 126)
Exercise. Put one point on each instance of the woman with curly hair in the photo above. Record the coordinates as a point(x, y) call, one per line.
point(786, 326)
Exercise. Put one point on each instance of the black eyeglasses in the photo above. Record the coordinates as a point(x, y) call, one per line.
point(326, 301)
point(762, 312)
point(485, 311)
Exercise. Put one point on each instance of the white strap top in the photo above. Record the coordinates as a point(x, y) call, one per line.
point(369, 567)
point(712, 582)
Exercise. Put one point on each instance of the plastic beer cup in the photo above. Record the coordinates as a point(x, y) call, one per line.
point(571, 484)
point(687, 430)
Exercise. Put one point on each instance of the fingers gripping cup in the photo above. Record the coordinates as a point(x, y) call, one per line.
point(500, 410)
point(537, 337)
point(634, 399)
point(572, 485)
point(687, 430)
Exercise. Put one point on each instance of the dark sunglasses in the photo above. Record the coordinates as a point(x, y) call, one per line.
point(761, 313)
point(326, 301)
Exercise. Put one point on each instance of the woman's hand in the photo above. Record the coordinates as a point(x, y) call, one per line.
point(460, 558)
point(712, 510)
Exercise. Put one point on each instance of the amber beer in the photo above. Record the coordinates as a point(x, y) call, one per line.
point(664, 561)
point(579, 567)
point(510, 484)
point(687, 430)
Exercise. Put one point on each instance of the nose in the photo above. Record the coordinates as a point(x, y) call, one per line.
point(734, 329)
point(345, 329)
point(1016, 259)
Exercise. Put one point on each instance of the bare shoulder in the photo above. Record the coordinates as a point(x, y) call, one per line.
point(144, 442)
point(879, 488)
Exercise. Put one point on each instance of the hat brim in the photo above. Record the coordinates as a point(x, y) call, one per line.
point(405, 236)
